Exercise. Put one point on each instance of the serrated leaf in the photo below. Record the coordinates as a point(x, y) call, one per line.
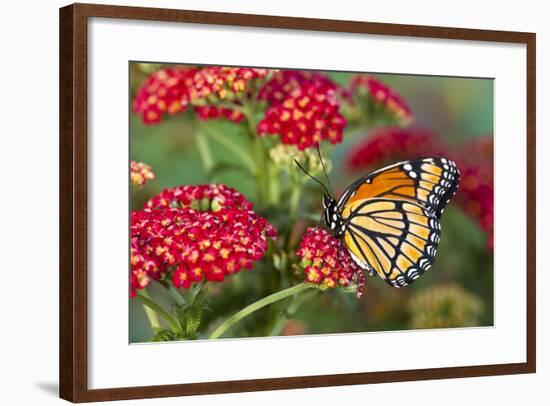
point(189, 318)
point(178, 312)
point(192, 321)
point(160, 334)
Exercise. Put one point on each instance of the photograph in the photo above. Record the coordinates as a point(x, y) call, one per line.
point(275, 203)
point(280, 202)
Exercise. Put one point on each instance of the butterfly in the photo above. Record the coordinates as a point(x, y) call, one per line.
point(389, 220)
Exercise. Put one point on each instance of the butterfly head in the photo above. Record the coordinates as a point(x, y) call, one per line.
point(332, 216)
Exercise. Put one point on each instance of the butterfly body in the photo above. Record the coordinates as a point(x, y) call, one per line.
point(333, 217)
point(389, 219)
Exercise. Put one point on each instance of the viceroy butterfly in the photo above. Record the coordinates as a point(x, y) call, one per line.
point(389, 219)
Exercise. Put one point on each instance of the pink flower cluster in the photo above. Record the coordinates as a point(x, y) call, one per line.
point(303, 109)
point(476, 194)
point(170, 91)
point(327, 263)
point(366, 86)
point(192, 245)
point(224, 82)
point(392, 144)
point(163, 92)
point(140, 173)
point(214, 196)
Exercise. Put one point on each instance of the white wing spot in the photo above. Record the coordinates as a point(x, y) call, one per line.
point(361, 264)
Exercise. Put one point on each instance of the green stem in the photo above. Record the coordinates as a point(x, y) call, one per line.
point(274, 183)
point(174, 325)
point(201, 293)
point(290, 311)
point(151, 315)
point(258, 152)
point(262, 180)
point(295, 201)
point(276, 327)
point(275, 297)
point(294, 204)
point(180, 300)
point(204, 152)
point(233, 147)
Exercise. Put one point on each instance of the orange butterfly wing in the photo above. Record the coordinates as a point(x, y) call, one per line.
point(430, 182)
point(392, 217)
point(397, 239)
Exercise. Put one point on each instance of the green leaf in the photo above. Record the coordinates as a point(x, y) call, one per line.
point(161, 334)
point(192, 321)
point(189, 317)
point(178, 313)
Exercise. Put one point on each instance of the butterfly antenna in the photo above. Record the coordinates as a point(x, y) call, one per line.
point(311, 176)
point(321, 220)
point(323, 165)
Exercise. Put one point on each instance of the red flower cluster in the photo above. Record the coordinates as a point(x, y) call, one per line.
point(211, 197)
point(478, 150)
point(304, 109)
point(394, 144)
point(163, 92)
point(195, 245)
point(172, 90)
point(223, 82)
point(140, 173)
point(327, 263)
point(380, 93)
point(207, 112)
point(476, 195)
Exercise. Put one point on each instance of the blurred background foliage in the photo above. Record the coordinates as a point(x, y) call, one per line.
point(456, 292)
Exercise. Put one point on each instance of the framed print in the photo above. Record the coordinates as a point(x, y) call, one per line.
point(300, 202)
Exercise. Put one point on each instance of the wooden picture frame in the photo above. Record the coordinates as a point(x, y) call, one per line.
point(73, 207)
